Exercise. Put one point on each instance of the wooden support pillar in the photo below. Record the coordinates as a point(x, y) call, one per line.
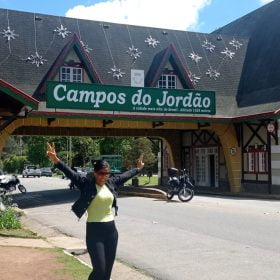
point(232, 153)
point(6, 132)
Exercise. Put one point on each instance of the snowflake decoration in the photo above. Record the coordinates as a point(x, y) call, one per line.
point(36, 59)
point(228, 53)
point(133, 52)
point(212, 73)
point(195, 57)
point(9, 34)
point(151, 41)
point(62, 31)
point(208, 45)
point(86, 47)
point(117, 73)
point(235, 44)
point(194, 79)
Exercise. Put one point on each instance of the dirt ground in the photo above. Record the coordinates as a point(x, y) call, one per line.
point(19, 263)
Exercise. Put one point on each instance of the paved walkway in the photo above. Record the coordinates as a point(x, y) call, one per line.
point(71, 245)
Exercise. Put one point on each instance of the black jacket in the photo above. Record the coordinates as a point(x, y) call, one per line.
point(88, 189)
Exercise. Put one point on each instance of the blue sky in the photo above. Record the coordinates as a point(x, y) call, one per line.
point(192, 15)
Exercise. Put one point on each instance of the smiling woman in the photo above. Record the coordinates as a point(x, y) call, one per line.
point(98, 196)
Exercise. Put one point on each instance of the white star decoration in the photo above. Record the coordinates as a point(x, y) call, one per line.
point(194, 79)
point(235, 43)
point(133, 52)
point(62, 31)
point(208, 45)
point(9, 34)
point(117, 73)
point(228, 53)
point(195, 57)
point(36, 59)
point(151, 41)
point(212, 73)
point(86, 47)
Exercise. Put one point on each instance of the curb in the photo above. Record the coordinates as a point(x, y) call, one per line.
point(77, 258)
point(159, 193)
point(241, 195)
point(143, 192)
point(148, 195)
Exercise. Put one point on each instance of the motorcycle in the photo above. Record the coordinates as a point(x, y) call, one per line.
point(10, 185)
point(179, 185)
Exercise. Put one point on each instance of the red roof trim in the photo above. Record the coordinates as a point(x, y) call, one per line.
point(198, 118)
point(93, 75)
point(19, 92)
point(167, 54)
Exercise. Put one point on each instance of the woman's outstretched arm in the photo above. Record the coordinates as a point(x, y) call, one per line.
point(121, 179)
point(69, 173)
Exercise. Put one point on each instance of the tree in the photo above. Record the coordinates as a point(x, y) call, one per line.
point(140, 146)
point(84, 149)
point(12, 146)
point(115, 145)
point(14, 164)
point(36, 150)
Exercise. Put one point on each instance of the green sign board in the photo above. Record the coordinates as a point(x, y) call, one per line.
point(129, 99)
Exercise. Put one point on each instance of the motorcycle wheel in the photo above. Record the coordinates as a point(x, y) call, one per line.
point(169, 194)
point(22, 188)
point(185, 194)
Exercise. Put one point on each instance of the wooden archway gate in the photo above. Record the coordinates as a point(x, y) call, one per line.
point(169, 131)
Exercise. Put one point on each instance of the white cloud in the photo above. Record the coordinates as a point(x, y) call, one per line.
point(263, 2)
point(175, 14)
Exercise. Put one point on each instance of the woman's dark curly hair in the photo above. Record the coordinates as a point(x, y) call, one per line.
point(99, 164)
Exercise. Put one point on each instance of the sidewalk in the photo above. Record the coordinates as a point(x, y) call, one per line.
point(54, 239)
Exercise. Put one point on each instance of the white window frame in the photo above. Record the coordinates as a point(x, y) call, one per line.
point(72, 74)
point(257, 161)
point(251, 162)
point(165, 79)
point(262, 162)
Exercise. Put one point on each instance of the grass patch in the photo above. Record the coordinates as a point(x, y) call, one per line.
point(71, 266)
point(144, 181)
point(20, 233)
point(9, 219)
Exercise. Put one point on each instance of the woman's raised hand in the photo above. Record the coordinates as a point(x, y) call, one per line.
point(51, 153)
point(140, 163)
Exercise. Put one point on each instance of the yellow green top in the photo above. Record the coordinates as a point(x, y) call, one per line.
point(100, 209)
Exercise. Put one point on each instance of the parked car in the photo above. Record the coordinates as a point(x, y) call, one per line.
point(46, 171)
point(81, 171)
point(31, 171)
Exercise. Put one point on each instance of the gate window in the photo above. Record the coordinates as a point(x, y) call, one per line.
point(71, 74)
point(256, 160)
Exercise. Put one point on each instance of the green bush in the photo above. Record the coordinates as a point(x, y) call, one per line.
point(14, 164)
point(9, 219)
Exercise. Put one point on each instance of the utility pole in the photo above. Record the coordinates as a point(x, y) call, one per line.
point(70, 151)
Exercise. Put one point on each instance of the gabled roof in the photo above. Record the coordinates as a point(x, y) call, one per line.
point(73, 44)
point(159, 62)
point(109, 43)
point(259, 87)
point(17, 95)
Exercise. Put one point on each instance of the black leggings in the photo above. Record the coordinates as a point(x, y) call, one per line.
point(102, 240)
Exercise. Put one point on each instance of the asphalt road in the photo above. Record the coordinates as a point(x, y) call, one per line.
point(208, 238)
